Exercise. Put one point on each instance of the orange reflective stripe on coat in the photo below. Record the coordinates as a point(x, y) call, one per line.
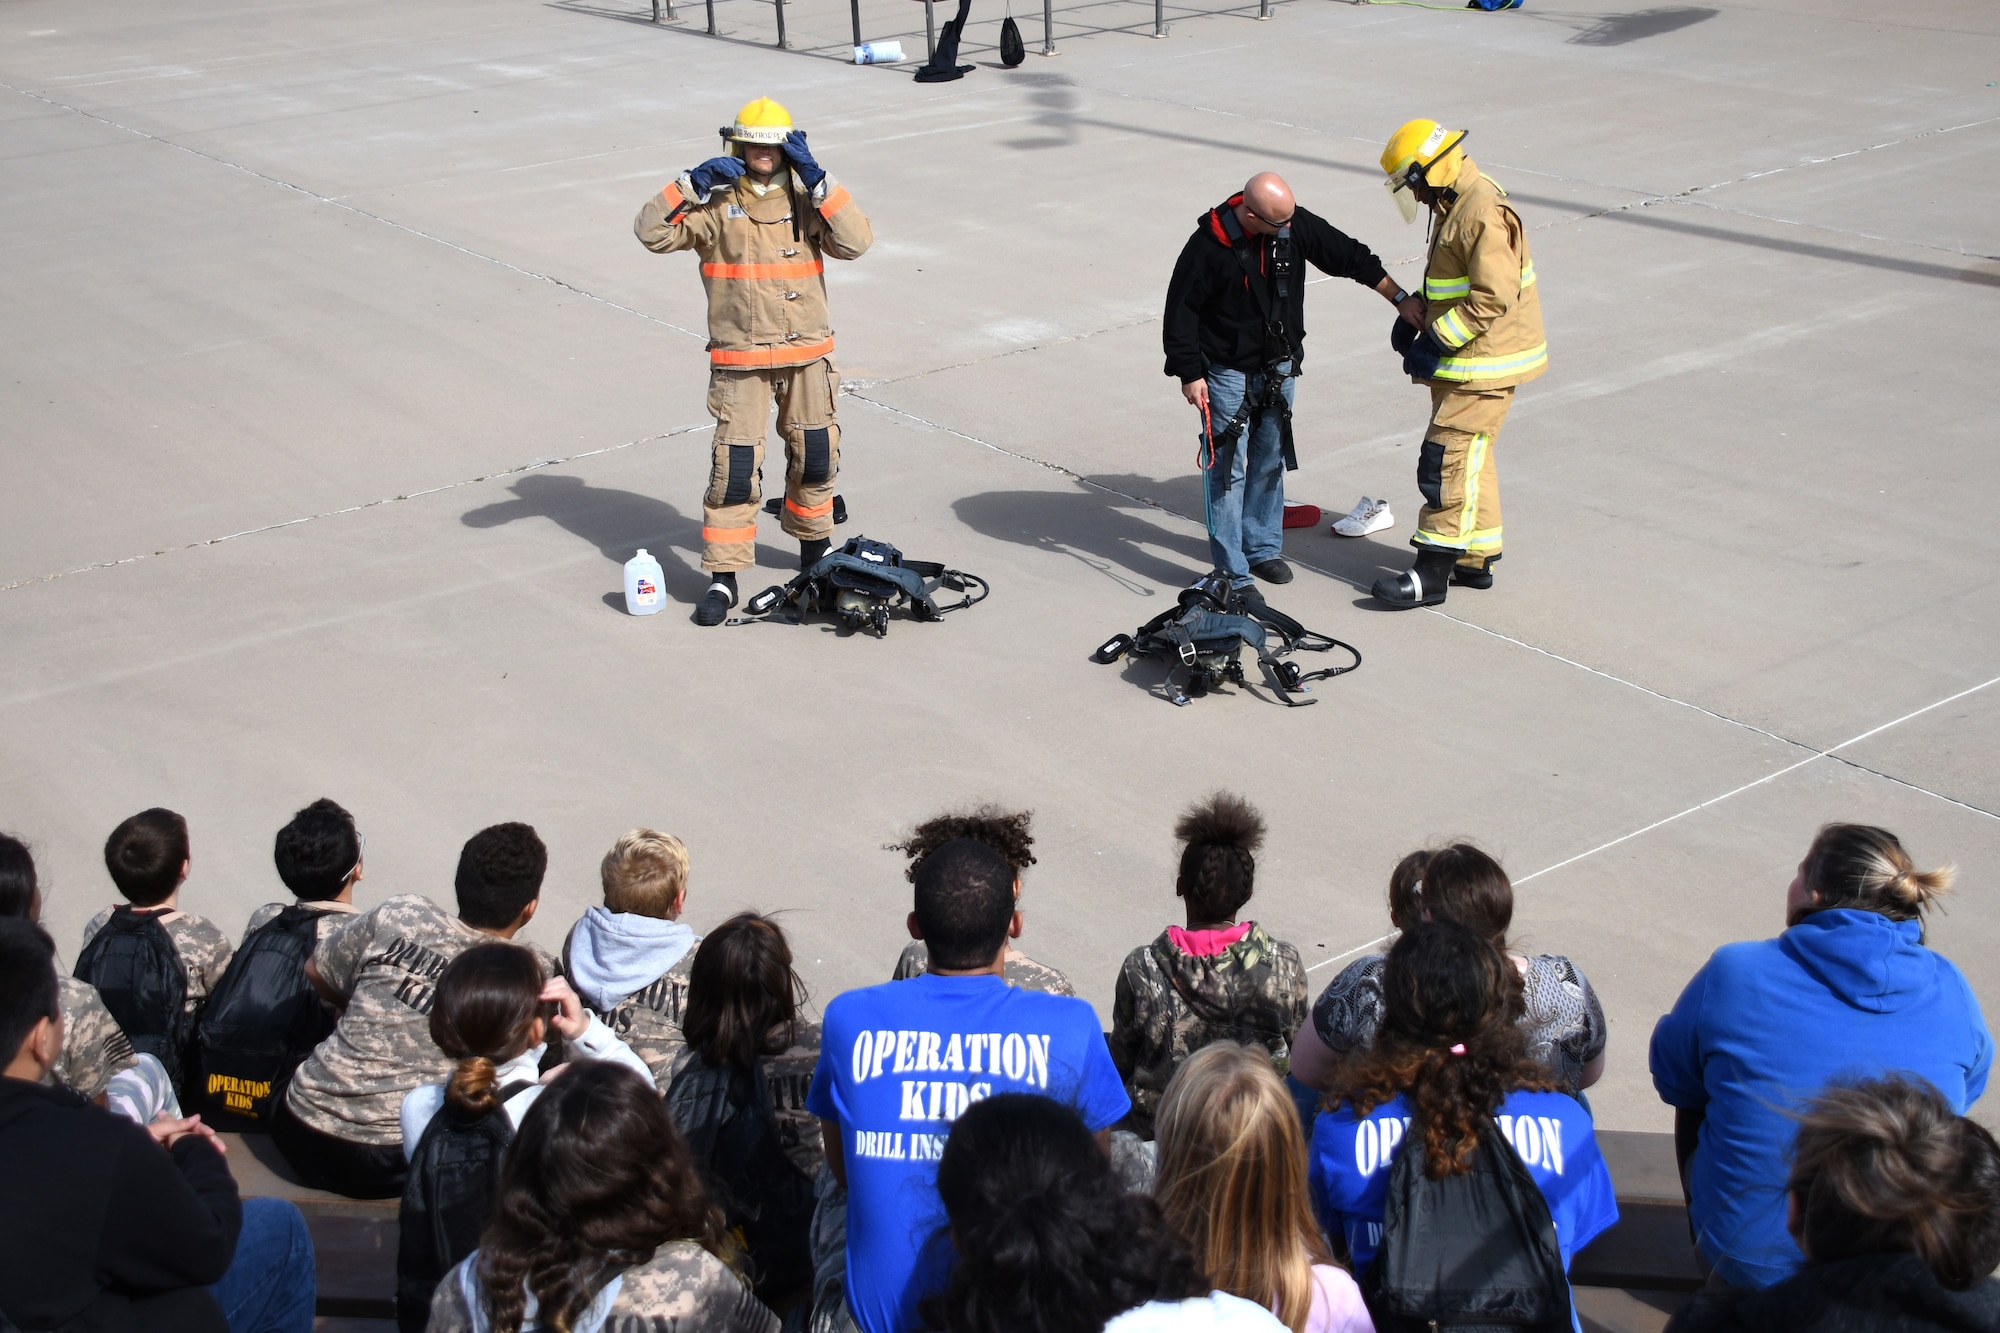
point(836, 201)
point(753, 272)
point(675, 199)
point(748, 534)
point(761, 358)
point(824, 507)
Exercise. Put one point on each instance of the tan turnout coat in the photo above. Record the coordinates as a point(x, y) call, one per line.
point(1479, 284)
point(765, 282)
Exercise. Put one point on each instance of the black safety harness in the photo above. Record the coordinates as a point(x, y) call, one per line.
point(1273, 300)
point(1203, 635)
point(860, 583)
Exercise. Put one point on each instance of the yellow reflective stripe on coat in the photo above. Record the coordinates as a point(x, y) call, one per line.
point(1446, 289)
point(1482, 539)
point(1471, 368)
point(1450, 330)
point(1528, 274)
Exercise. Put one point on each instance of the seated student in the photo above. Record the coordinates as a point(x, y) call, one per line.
point(340, 1124)
point(629, 958)
point(148, 858)
point(1215, 980)
point(108, 1226)
point(601, 1223)
point(899, 1062)
point(1848, 991)
point(1449, 1061)
point(738, 1094)
point(1564, 1022)
point(1044, 1236)
point(94, 1046)
point(318, 856)
point(1006, 833)
point(492, 1015)
point(1232, 1179)
point(1895, 1203)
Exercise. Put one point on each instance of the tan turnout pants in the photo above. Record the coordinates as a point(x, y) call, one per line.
point(1455, 472)
point(741, 401)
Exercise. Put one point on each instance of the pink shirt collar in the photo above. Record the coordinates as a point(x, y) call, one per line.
point(1207, 943)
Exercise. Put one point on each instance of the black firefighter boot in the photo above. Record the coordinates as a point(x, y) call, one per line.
point(812, 552)
point(1474, 576)
point(715, 603)
point(1423, 584)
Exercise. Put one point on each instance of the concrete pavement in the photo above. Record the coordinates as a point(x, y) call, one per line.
point(337, 390)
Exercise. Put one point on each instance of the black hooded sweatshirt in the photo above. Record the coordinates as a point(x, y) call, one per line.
point(1213, 316)
point(100, 1227)
point(1872, 1293)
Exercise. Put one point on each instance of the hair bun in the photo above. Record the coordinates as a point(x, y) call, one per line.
point(474, 1086)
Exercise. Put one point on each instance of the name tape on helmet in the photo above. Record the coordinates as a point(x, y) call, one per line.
point(1433, 143)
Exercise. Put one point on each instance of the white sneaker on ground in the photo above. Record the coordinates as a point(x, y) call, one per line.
point(1366, 517)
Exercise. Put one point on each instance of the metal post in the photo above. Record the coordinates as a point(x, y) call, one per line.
point(1263, 9)
point(1159, 18)
point(671, 16)
point(930, 30)
point(783, 45)
point(656, 11)
point(711, 17)
point(1048, 27)
point(855, 6)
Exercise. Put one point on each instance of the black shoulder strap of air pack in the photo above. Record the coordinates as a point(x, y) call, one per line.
point(1273, 300)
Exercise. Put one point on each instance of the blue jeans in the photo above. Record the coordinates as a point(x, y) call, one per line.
point(1246, 522)
point(270, 1285)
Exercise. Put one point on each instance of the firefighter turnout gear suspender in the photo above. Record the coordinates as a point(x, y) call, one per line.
point(1278, 261)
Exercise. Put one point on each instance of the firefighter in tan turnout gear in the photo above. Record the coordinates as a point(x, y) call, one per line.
point(763, 218)
point(1481, 337)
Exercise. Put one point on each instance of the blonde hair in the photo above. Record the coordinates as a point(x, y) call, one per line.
point(1865, 868)
point(645, 873)
point(1232, 1179)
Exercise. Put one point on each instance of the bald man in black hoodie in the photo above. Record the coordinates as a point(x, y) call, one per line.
point(1234, 335)
point(108, 1226)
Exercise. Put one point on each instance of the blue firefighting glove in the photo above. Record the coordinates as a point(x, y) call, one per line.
point(1401, 334)
point(712, 175)
point(1423, 357)
point(811, 173)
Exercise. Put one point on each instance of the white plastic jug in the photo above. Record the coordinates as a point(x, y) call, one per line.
point(878, 53)
point(642, 585)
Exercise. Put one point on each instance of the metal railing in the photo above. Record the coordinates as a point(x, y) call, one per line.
point(664, 9)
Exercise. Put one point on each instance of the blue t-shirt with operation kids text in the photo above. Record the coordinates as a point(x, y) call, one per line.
point(1551, 1134)
point(897, 1064)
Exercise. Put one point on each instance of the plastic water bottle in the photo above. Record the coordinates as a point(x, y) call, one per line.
point(642, 585)
point(878, 53)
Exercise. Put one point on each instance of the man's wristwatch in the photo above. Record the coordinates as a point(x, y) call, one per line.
point(1400, 297)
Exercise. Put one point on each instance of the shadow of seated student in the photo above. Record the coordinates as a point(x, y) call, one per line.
point(616, 522)
point(1100, 529)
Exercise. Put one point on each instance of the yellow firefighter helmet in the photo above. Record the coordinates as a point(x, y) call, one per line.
point(1422, 152)
point(762, 121)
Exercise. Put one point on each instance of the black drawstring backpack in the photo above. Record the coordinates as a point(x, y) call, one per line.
point(1012, 49)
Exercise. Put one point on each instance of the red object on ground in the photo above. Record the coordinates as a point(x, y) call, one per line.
point(1301, 516)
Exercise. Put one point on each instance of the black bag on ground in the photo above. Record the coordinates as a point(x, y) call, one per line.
point(448, 1200)
point(136, 969)
point(943, 66)
point(1476, 1253)
point(1204, 633)
point(261, 1022)
point(1012, 49)
point(725, 1115)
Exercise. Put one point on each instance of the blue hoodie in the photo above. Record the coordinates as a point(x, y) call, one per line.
point(1766, 1025)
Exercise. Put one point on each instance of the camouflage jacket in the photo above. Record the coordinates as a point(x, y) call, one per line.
point(94, 1046)
point(682, 1288)
point(386, 961)
point(1022, 972)
point(1170, 1003)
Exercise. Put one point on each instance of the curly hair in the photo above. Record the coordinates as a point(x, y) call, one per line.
point(1047, 1239)
point(1005, 831)
point(1450, 1041)
point(1220, 837)
point(596, 1180)
point(500, 872)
